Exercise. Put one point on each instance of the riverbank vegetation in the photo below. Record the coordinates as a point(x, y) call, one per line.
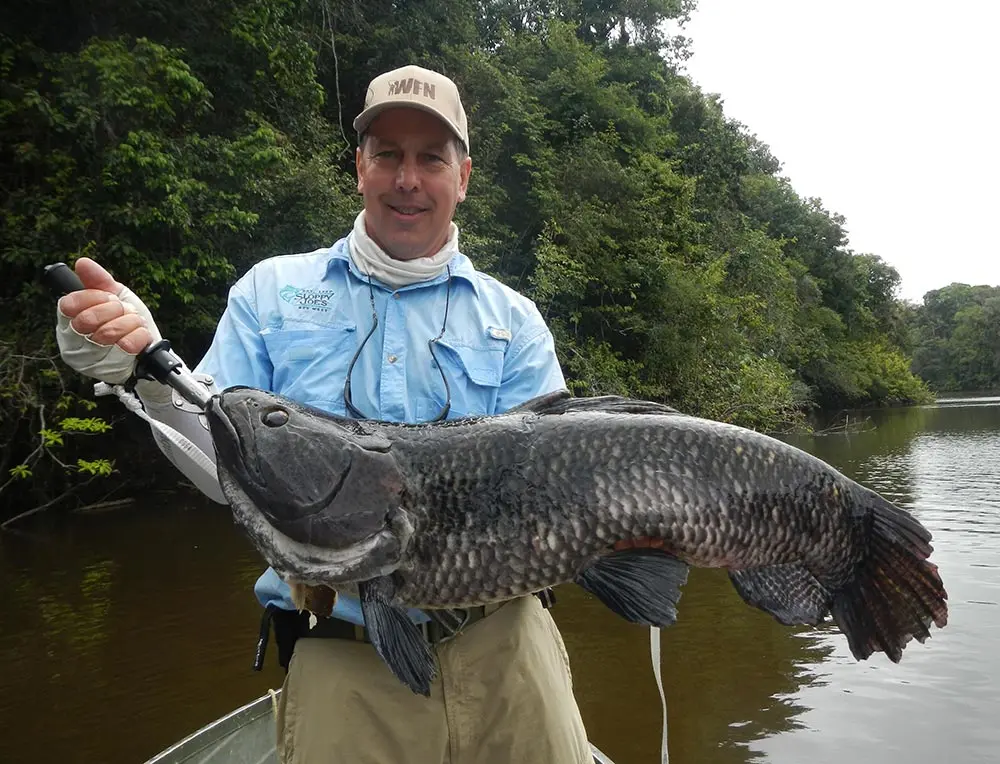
point(180, 142)
point(956, 338)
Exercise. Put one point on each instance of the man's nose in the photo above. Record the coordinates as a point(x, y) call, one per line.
point(408, 175)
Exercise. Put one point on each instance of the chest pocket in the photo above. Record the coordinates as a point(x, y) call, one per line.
point(474, 375)
point(310, 364)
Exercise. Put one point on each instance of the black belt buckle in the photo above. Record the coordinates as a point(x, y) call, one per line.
point(445, 624)
point(547, 598)
point(429, 631)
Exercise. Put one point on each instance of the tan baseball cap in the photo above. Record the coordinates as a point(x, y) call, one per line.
point(417, 88)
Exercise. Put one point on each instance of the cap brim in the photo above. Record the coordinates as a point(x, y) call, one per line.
point(364, 120)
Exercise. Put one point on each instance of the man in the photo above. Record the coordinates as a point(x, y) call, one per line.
point(392, 322)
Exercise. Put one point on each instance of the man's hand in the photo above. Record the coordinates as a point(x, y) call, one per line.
point(101, 328)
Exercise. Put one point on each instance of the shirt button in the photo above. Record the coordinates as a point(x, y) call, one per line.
point(396, 295)
point(392, 359)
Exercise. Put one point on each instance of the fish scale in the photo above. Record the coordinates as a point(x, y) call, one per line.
point(662, 489)
point(617, 495)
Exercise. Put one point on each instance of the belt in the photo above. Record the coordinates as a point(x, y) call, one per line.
point(290, 626)
point(439, 628)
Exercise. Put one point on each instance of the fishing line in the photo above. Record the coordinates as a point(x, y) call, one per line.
point(348, 401)
point(357, 353)
point(164, 433)
point(432, 342)
point(654, 652)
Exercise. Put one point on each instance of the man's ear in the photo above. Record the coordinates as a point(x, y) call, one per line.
point(358, 168)
point(465, 170)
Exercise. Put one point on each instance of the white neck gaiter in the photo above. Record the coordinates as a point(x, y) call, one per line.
point(371, 259)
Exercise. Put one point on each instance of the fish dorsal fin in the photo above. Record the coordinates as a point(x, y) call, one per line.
point(541, 403)
point(561, 402)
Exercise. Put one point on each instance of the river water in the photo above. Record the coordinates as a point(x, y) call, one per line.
point(122, 631)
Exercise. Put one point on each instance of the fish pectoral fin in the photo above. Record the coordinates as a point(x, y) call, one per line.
point(641, 585)
point(788, 592)
point(396, 639)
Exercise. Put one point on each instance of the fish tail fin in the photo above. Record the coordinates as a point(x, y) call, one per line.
point(895, 593)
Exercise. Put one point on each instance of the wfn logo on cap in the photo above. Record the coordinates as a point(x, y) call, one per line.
point(411, 84)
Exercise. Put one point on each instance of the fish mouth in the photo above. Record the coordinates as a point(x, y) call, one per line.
point(233, 436)
point(318, 498)
point(377, 555)
point(225, 436)
point(317, 478)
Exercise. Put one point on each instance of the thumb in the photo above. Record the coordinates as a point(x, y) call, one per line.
point(94, 276)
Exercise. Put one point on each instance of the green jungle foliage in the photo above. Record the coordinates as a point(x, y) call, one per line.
point(179, 142)
point(956, 338)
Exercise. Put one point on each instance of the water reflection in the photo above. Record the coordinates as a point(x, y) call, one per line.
point(146, 615)
point(940, 704)
point(142, 616)
point(730, 674)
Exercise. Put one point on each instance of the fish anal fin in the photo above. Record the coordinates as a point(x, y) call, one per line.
point(640, 585)
point(788, 592)
point(396, 639)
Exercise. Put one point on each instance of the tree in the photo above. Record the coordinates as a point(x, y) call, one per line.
point(181, 142)
point(956, 337)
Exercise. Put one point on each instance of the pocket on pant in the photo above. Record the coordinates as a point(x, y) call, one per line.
point(285, 720)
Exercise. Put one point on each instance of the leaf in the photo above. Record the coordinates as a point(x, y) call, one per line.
point(51, 438)
point(20, 472)
point(89, 425)
point(99, 467)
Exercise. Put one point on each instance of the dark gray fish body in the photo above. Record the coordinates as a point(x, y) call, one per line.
point(521, 502)
point(617, 495)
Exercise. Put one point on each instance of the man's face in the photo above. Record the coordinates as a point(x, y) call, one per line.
point(411, 178)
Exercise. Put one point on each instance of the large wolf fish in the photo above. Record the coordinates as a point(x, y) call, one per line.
point(619, 495)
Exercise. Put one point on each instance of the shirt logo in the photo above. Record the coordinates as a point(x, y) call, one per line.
point(306, 299)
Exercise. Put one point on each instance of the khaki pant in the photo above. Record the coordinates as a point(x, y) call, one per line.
point(503, 695)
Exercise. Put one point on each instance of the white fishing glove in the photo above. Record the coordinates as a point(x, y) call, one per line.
point(108, 363)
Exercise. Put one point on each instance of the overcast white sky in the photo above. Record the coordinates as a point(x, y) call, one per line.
point(885, 109)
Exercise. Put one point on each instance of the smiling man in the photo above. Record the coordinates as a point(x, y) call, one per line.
point(412, 172)
point(391, 322)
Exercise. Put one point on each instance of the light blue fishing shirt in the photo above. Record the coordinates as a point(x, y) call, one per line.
point(293, 323)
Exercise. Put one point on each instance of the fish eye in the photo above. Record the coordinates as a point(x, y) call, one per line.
point(274, 417)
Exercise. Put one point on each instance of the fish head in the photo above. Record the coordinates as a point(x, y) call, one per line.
point(314, 490)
